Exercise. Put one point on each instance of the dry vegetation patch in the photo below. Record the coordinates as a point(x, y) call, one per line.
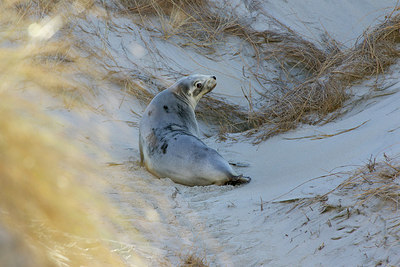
point(361, 211)
point(377, 184)
point(191, 260)
point(194, 21)
point(48, 214)
point(45, 200)
point(198, 27)
point(312, 86)
point(377, 180)
point(328, 74)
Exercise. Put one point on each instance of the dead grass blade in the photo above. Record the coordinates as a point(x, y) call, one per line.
point(322, 136)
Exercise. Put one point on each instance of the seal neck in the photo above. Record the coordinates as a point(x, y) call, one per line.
point(188, 100)
point(191, 101)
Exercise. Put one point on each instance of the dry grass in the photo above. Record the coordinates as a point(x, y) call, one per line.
point(159, 6)
point(366, 202)
point(372, 190)
point(376, 181)
point(193, 21)
point(48, 214)
point(229, 117)
point(43, 201)
point(192, 260)
point(200, 28)
point(375, 184)
point(327, 75)
point(326, 72)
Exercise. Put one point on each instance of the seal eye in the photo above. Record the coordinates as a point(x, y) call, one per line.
point(199, 85)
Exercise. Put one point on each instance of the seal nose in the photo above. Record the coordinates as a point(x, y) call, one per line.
point(215, 78)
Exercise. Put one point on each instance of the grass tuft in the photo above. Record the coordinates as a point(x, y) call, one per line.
point(377, 181)
point(192, 260)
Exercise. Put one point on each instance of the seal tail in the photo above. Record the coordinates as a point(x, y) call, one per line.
point(238, 180)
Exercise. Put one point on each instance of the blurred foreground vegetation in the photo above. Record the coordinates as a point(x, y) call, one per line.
point(48, 215)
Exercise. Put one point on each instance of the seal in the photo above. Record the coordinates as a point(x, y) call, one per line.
point(168, 137)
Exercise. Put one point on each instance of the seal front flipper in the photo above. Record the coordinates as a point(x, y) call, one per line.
point(238, 180)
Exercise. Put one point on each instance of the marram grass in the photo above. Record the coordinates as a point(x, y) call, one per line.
point(48, 214)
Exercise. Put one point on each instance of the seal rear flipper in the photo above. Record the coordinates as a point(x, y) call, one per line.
point(238, 180)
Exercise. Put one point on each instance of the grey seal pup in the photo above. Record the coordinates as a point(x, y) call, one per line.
point(168, 137)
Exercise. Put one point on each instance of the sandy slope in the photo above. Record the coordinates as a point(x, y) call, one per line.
point(342, 20)
point(229, 225)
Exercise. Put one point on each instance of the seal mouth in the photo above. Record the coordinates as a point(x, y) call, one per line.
point(211, 84)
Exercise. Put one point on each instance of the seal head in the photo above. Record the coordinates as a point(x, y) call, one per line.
point(194, 87)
